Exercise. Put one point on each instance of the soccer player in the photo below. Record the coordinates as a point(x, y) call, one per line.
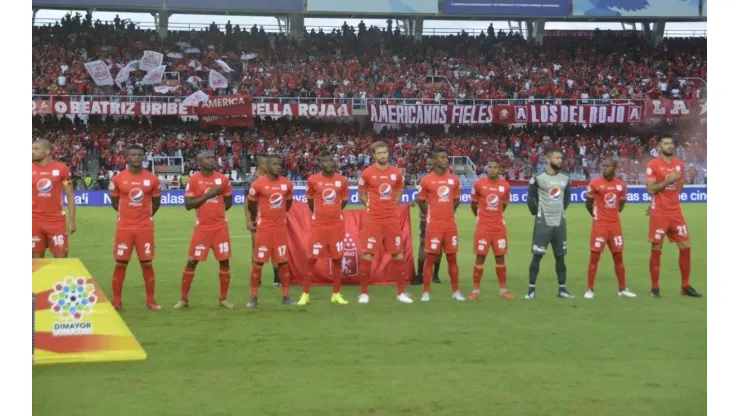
point(49, 228)
point(665, 176)
point(136, 194)
point(422, 254)
point(270, 197)
point(605, 198)
point(548, 196)
point(488, 200)
point(327, 194)
point(209, 193)
point(259, 172)
point(439, 197)
point(380, 190)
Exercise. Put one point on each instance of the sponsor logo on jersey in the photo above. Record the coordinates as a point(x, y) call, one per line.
point(329, 195)
point(443, 192)
point(276, 200)
point(555, 193)
point(610, 199)
point(44, 185)
point(385, 190)
point(136, 195)
point(492, 201)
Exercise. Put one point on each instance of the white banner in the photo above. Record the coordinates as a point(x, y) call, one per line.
point(150, 61)
point(99, 72)
point(154, 77)
point(224, 65)
point(217, 80)
point(195, 99)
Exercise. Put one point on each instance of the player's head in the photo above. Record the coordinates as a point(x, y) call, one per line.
point(274, 165)
point(326, 161)
point(608, 168)
point(262, 163)
point(206, 161)
point(135, 156)
point(494, 170)
point(554, 159)
point(665, 146)
point(430, 164)
point(40, 150)
point(440, 159)
point(381, 153)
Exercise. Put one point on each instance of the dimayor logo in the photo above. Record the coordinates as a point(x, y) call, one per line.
point(385, 190)
point(136, 195)
point(276, 200)
point(492, 201)
point(72, 300)
point(44, 185)
point(329, 195)
point(443, 192)
point(610, 199)
point(555, 193)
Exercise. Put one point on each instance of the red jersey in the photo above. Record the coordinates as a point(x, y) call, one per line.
point(271, 197)
point(135, 203)
point(667, 201)
point(328, 195)
point(47, 184)
point(440, 192)
point(212, 214)
point(607, 196)
point(382, 187)
point(491, 197)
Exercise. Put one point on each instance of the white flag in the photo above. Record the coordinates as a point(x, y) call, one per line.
point(122, 76)
point(165, 89)
point(224, 65)
point(194, 99)
point(155, 76)
point(217, 80)
point(150, 60)
point(99, 72)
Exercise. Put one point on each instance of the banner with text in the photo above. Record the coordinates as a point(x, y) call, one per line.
point(113, 108)
point(278, 110)
point(236, 5)
point(226, 111)
point(390, 6)
point(568, 114)
point(636, 194)
point(88, 4)
point(635, 8)
point(382, 270)
point(676, 109)
point(507, 7)
point(430, 114)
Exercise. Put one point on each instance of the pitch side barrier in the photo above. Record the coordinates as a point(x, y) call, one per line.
point(635, 194)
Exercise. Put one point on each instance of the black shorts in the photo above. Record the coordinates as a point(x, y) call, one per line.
point(545, 235)
point(422, 230)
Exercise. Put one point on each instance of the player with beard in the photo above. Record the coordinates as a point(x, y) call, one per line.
point(605, 198)
point(665, 176)
point(422, 254)
point(258, 173)
point(548, 196)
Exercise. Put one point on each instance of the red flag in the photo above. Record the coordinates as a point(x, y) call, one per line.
point(299, 231)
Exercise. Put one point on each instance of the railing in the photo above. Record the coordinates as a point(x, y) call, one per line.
point(427, 31)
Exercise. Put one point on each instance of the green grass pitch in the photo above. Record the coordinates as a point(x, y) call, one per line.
point(607, 356)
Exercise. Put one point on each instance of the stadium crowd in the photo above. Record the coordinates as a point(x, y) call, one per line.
point(370, 62)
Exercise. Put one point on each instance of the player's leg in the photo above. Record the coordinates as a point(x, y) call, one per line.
point(450, 247)
point(122, 249)
point(57, 239)
point(435, 273)
point(678, 232)
point(221, 246)
point(197, 252)
point(421, 254)
point(656, 235)
point(370, 238)
point(432, 249)
point(317, 243)
point(616, 246)
point(481, 246)
point(541, 237)
point(279, 256)
point(144, 243)
point(39, 239)
point(392, 239)
point(335, 248)
point(559, 250)
point(500, 243)
point(598, 242)
point(261, 255)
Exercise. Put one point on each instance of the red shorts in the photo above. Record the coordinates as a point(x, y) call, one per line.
point(672, 225)
point(374, 234)
point(436, 241)
point(126, 240)
point(49, 234)
point(484, 240)
point(203, 241)
point(603, 235)
point(327, 239)
point(271, 244)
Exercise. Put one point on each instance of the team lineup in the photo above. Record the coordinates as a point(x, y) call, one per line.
point(136, 192)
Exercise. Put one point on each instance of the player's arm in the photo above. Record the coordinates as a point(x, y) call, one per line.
point(507, 198)
point(69, 190)
point(532, 196)
point(622, 198)
point(474, 200)
point(566, 195)
point(156, 196)
point(345, 193)
point(251, 208)
point(289, 197)
point(421, 198)
point(247, 187)
point(652, 184)
point(682, 179)
point(456, 195)
point(228, 196)
point(362, 189)
point(309, 195)
point(115, 194)
point(590, 200)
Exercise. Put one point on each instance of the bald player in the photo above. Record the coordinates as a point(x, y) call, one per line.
point(50, 226)
point(258, 173)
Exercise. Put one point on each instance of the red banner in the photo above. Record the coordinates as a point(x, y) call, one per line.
point(592, 33)
point(114, 108)
point(226, 111)
point(568, 114)
point(676, 108)
point(278, 110)
point(430, 114)
point(299, 230)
